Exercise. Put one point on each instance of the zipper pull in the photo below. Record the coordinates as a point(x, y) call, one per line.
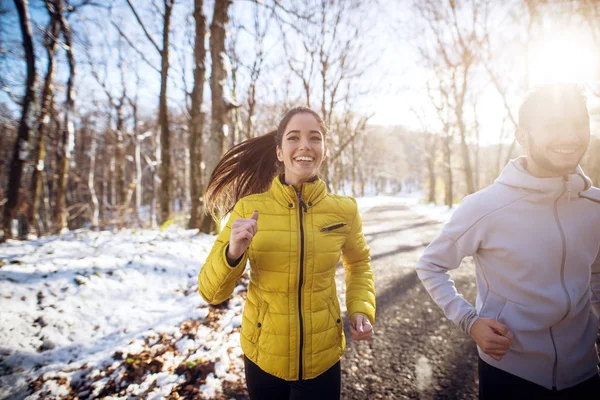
point(301, 199)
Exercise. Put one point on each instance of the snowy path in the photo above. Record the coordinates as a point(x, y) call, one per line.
point(416, 352)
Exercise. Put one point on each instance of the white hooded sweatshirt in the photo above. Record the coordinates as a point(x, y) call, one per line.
point(536, 247)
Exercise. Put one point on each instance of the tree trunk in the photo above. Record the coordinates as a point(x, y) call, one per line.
point(197, 120)
point(103, 188)
point(120, 192)
point(220, 107)
point(432, 180)
point(67, 130)
point(137, 155)
point(90, 183)
point(45, 204)
point(43, 119)
point(449, 198)
point(251, 108)
point(21, 148)
point(465, 153)
point(166, 169)
point(111, 198)
point(155, 183)
point(325, 164)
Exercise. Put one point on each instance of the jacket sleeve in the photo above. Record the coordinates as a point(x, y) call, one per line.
point(595, 283)
point(360, 286)
point(457, 240)
point(217, 278)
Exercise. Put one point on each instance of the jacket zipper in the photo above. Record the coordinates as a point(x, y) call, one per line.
point(562, 279)
point(302, 207)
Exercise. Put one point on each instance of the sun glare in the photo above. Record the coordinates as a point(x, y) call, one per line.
point(564, 57)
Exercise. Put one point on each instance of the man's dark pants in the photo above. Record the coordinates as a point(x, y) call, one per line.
point(497, 384)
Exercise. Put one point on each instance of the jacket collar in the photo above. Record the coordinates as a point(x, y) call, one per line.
point(515, 174)
point(312, 192)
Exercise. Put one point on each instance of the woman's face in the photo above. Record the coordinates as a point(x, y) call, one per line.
point(302, 148)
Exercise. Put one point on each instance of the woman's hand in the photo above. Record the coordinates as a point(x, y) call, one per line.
point(361, 327)
point(242, 233)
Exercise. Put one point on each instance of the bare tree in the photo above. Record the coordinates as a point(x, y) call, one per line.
point(302, 66)
point(166, 169)
point(67, 130)
point(21, 147)
point(429, 148)
point(453, 28)
point(440, 101)
point(137, 155)
point(221, 105)
point(256, 69)
point(197, 118)
point(50, 43)
point(118, 104)
point(334, 56)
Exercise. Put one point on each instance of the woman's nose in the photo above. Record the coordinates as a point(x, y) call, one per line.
point(304, 143)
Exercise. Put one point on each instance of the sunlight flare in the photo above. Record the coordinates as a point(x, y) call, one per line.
point(567, 56)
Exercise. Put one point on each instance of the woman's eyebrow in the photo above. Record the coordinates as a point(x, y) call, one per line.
point(298, 132)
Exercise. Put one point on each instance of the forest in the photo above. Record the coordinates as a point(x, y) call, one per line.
point(113, 114)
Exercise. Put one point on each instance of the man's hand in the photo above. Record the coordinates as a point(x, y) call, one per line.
point(242, 233)
point(361, 327)
point(492, 337)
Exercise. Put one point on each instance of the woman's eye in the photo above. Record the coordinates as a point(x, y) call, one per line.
point(292, 137)
point(316, 138)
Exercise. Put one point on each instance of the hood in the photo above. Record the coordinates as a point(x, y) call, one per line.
point(516, 175)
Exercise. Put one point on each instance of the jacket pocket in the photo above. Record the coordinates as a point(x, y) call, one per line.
point(333, 227)
point(335, 314)
point(262, 311)
point(493, 306)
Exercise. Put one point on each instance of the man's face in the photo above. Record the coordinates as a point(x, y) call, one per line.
point(558, 140)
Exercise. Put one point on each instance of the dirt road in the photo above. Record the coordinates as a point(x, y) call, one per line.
point(416, 352)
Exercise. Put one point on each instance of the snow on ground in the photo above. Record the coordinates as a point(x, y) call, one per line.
point(70, 303)
point(412, 200)
point(93, 314)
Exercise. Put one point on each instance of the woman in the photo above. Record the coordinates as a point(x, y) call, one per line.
point(293, 232)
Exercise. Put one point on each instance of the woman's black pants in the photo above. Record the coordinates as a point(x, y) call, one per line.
point(262, 385)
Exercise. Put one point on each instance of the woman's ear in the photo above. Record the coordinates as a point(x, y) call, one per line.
point(279, 154)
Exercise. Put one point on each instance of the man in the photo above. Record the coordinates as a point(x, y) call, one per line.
point(535, 238)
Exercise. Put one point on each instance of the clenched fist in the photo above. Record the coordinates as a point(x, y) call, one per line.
point(242, 233)
point(361, 327)
point(492, 337)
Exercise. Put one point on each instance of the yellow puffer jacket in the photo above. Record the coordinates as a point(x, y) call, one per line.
point(292, 326)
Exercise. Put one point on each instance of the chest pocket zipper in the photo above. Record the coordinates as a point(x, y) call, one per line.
point(333, 227)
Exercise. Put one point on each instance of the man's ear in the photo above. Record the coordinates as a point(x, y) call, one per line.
point(522, 137)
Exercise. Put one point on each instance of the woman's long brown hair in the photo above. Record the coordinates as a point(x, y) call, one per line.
point(249, 167)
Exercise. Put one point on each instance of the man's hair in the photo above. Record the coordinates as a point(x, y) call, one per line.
point(550, 98)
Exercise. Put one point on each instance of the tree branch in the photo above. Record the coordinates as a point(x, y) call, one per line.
point(124, 36)
point(144, 27)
